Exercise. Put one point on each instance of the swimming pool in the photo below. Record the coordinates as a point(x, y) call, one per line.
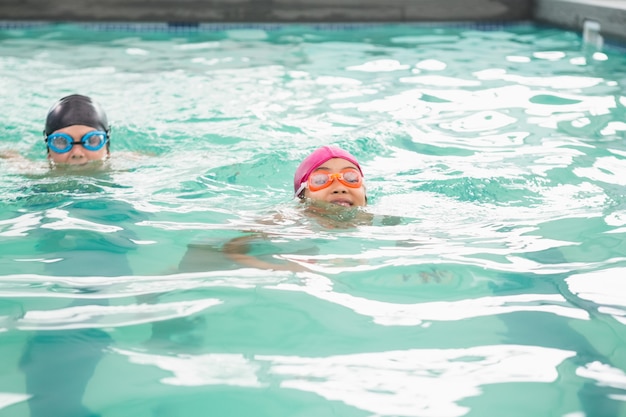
point(488, 282)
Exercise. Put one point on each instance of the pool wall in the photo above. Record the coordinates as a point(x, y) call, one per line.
point(570, 14)
point(266, 10)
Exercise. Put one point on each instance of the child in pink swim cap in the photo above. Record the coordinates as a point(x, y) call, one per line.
point(332, 175)
point(329, 174)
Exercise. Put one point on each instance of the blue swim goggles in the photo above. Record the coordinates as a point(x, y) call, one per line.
point(62, 142)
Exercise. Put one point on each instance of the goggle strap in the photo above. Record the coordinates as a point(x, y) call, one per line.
point(302, 187)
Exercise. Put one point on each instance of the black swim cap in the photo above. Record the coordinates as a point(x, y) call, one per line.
point(76, 110)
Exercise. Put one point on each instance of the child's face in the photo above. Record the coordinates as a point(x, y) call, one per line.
point(78, 155)
point(337, 192)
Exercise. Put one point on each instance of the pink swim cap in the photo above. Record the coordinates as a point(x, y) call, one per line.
point(317, 158)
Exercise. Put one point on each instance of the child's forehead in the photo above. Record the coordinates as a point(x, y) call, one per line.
point(336, 163)
point(76, 129)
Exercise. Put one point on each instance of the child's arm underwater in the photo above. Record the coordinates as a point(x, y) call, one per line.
point(9, 154)
point(14, 162)
point(237, 250)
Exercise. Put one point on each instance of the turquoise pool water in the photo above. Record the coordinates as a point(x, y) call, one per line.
point(486, 278)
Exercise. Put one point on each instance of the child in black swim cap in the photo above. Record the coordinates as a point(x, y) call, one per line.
point(77, 131)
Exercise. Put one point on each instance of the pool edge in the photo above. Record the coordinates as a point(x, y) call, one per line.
point(568, 14)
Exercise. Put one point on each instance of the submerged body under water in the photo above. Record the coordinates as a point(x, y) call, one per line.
point(484, 278)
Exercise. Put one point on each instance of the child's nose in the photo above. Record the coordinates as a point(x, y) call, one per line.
point(77, 151)
point(339, 187)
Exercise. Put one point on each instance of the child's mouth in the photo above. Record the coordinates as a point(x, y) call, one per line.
point(344, 203)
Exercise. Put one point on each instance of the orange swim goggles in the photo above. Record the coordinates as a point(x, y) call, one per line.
point(321, 179)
